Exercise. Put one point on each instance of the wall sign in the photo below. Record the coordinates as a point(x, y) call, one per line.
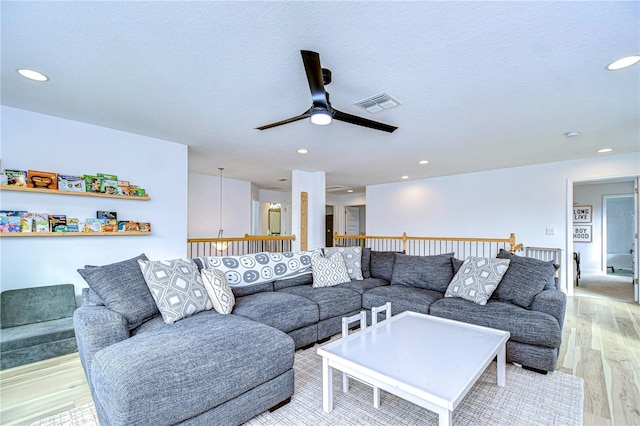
point(581, 233)
point(581, 214)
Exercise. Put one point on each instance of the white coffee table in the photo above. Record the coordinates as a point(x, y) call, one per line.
point(430, 361)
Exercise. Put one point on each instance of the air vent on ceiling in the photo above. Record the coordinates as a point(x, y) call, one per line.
point(336, 188)
point(378, 103)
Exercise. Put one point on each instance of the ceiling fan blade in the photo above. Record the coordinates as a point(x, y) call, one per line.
point(313, 69)
point(306, 114)
point(343, 116)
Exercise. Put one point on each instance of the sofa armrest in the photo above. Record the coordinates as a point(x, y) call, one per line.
point(96, 328)
point(552, 302)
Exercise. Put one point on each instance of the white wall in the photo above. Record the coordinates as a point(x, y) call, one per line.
point(525, 200)
point(36, 141)
point(204, 206)
point(591, 194)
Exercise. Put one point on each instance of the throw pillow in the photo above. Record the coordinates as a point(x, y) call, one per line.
point(549, 285)
point(477, 278)
point(366, 263)
point(525, 278)
point(352, 258)
point(122, 288)
point(176, 287)
point(330, 271)
point(427, 272)
point(218, 290)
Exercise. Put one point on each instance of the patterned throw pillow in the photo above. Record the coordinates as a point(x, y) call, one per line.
point(330, 271)
point(352, 258)
point(176, 287)
point(477, 278)
point(218, 290)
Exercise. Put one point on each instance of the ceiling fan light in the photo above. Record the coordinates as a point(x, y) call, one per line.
point(320, 117)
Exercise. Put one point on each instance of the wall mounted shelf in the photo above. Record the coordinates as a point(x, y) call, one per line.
point(72, 234)
point(76, 193)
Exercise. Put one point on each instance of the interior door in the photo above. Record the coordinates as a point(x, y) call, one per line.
point(352, 220)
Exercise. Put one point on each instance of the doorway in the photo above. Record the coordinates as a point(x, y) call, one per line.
point(355, 220)
point(329, 226)
point(607, 257)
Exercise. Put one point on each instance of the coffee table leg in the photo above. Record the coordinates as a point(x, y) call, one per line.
point(501, 367)
point(445, 418)
point(327, 386)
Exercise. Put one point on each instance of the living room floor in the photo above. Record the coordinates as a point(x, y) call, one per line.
point(601, 344)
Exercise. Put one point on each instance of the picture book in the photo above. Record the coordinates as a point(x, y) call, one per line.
point(123, 187)
point(109, 186)
point(71, 183)
point(42, 180)
point(72, 224)
point(107, 176)
point(16, 177)
point(57, 223)
point(136, 190)
point(127, 226)
point(92, 183)
point(94, 225)
point(40, 222)
point(145, 227)
point(110, 220)
point(28, 222)
point(10, 224)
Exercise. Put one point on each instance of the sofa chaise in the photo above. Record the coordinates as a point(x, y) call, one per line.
point(215, 368)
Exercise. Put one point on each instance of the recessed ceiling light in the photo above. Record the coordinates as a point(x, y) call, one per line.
point(32, 75)
point(603, 150)
point(404, 177)
point(303, 151)
point(623, 62)
point(423, 162)
point(572, 134)
point(349, 190)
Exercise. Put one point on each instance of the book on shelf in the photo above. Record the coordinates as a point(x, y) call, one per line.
point(71, 183)
point(123, 187)
point(73, 224)
point(110, 220)
point(109, 186)
point(94, 225)
point(145, 227)
point(107, 176)
point(16, 177)
point(58, 223)
point(10, 220)
point(40, 222)
point(42, 180)
point(128, 226)
point(92, 183)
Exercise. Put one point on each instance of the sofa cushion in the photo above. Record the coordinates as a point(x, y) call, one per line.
point(525, 326)
point(549, 285)
point(524, 279)
point(331, 301)
point(283, 311)
point(382, 264)
point(246, 290)
point(218, 290)
point(329, 272)
point(366, 263)
point(477, 278)
point(27, 335)
point(36, 304)
point(122, 288)
point(177, 288)
point(363, 285)
point(292, 282)
point(402, 298)
point(219, 356)
point(352, 258)
point(428, 272)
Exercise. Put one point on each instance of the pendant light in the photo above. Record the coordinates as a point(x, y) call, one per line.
point(220, 245)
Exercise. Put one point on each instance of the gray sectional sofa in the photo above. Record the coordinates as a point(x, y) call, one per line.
point(211, 368)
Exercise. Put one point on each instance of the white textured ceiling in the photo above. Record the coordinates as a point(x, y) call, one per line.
point(483, 85)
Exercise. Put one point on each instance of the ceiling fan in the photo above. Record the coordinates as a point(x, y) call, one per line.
point(321, 111)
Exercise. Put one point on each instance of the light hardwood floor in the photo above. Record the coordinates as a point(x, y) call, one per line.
point(601, 344)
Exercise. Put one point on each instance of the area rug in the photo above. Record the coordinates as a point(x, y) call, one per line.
point(528, 399)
